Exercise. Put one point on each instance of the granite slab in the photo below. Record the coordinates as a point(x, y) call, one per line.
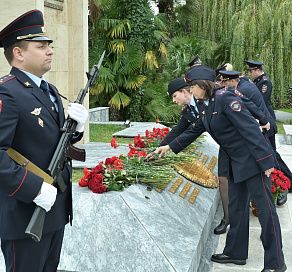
point(140, 230)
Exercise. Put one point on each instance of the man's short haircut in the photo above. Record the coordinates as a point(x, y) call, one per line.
point(8, 53)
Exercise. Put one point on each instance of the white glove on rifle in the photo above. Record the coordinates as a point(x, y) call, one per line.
point(77, 112)
point(47, 197)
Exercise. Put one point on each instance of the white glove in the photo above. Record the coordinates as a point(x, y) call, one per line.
point(47, 197)
point(77, 112)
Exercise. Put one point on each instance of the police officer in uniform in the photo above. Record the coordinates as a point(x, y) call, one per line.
point(262, 81)
point(31, 118)
point(178, 89)
point(195, 61)
point(265, 86)
point(232, 79)
point(223, 160)
point(231, 125)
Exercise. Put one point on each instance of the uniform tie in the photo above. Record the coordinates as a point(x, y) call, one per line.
point(44, 86)
point(193, 110)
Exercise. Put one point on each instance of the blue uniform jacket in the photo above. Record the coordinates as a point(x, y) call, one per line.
point(236, 131)
point(187, 119)
point(28, 124)
point(252, 92)
point(265, 86)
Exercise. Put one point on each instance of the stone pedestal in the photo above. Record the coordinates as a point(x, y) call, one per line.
point(99, 114)
point(288, 134)
point(140, 230)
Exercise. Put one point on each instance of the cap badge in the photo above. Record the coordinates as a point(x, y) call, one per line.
point(36, 111)
point(43, 29)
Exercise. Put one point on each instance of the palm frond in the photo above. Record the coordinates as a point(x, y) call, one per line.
point(119, 99)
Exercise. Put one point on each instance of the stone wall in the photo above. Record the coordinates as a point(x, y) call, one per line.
point(66, 22)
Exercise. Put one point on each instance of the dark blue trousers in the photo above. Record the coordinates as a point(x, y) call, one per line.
point(26, 255)
point(258, 188)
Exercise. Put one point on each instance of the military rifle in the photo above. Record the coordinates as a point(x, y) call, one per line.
point(35, 226)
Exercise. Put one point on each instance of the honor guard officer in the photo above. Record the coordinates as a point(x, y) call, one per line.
point(263, 83)
point(179, 90)
point(31, 118)
point(251, 162)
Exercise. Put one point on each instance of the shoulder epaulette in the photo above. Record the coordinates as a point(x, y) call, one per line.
point(6, 78)
point(221, 91)
point(184, 108)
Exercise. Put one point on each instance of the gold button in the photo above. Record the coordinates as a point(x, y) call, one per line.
point(53, 108)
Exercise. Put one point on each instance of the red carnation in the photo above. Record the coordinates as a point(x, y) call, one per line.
point(83, 182)
point(273, 189)
point(113, 143)
point(99, 188)
point(98, 169)
point(108, 161)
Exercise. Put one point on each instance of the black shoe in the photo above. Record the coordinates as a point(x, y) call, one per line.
point(282, 269)
point(221, 228)
point(282, 200)
point(221, 258)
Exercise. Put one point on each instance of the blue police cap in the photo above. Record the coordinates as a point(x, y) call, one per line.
point(222, 68)
point(176, 85)
point(29, 26)
point(200, 72)
point(228, 75)
point(195, 60)
point(254, 64)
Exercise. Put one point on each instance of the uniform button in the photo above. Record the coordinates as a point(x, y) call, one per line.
point(53, 108)
point(68, 163)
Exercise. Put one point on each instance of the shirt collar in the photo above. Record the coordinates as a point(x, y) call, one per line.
point(34, 78)
point(193, 103)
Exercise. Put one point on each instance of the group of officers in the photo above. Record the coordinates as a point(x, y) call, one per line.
point(255, 96)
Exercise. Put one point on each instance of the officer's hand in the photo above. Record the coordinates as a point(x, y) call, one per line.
point(266, 126)
point(150, 157)
point(77, 112)
point(162, 150)
point(269, 171)
point(47, 196)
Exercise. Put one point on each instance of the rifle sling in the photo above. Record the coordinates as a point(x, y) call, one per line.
point(24, 162)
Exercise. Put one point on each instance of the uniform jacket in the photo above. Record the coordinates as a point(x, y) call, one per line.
point(232, 126)
point(187, 119)
point(250, 91)
point(265, 86)
point(28, 124)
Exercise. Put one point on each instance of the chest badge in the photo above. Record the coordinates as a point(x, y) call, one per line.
point(264, 88)
point(36, 111)
point(41, 122)
point(27, 83)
